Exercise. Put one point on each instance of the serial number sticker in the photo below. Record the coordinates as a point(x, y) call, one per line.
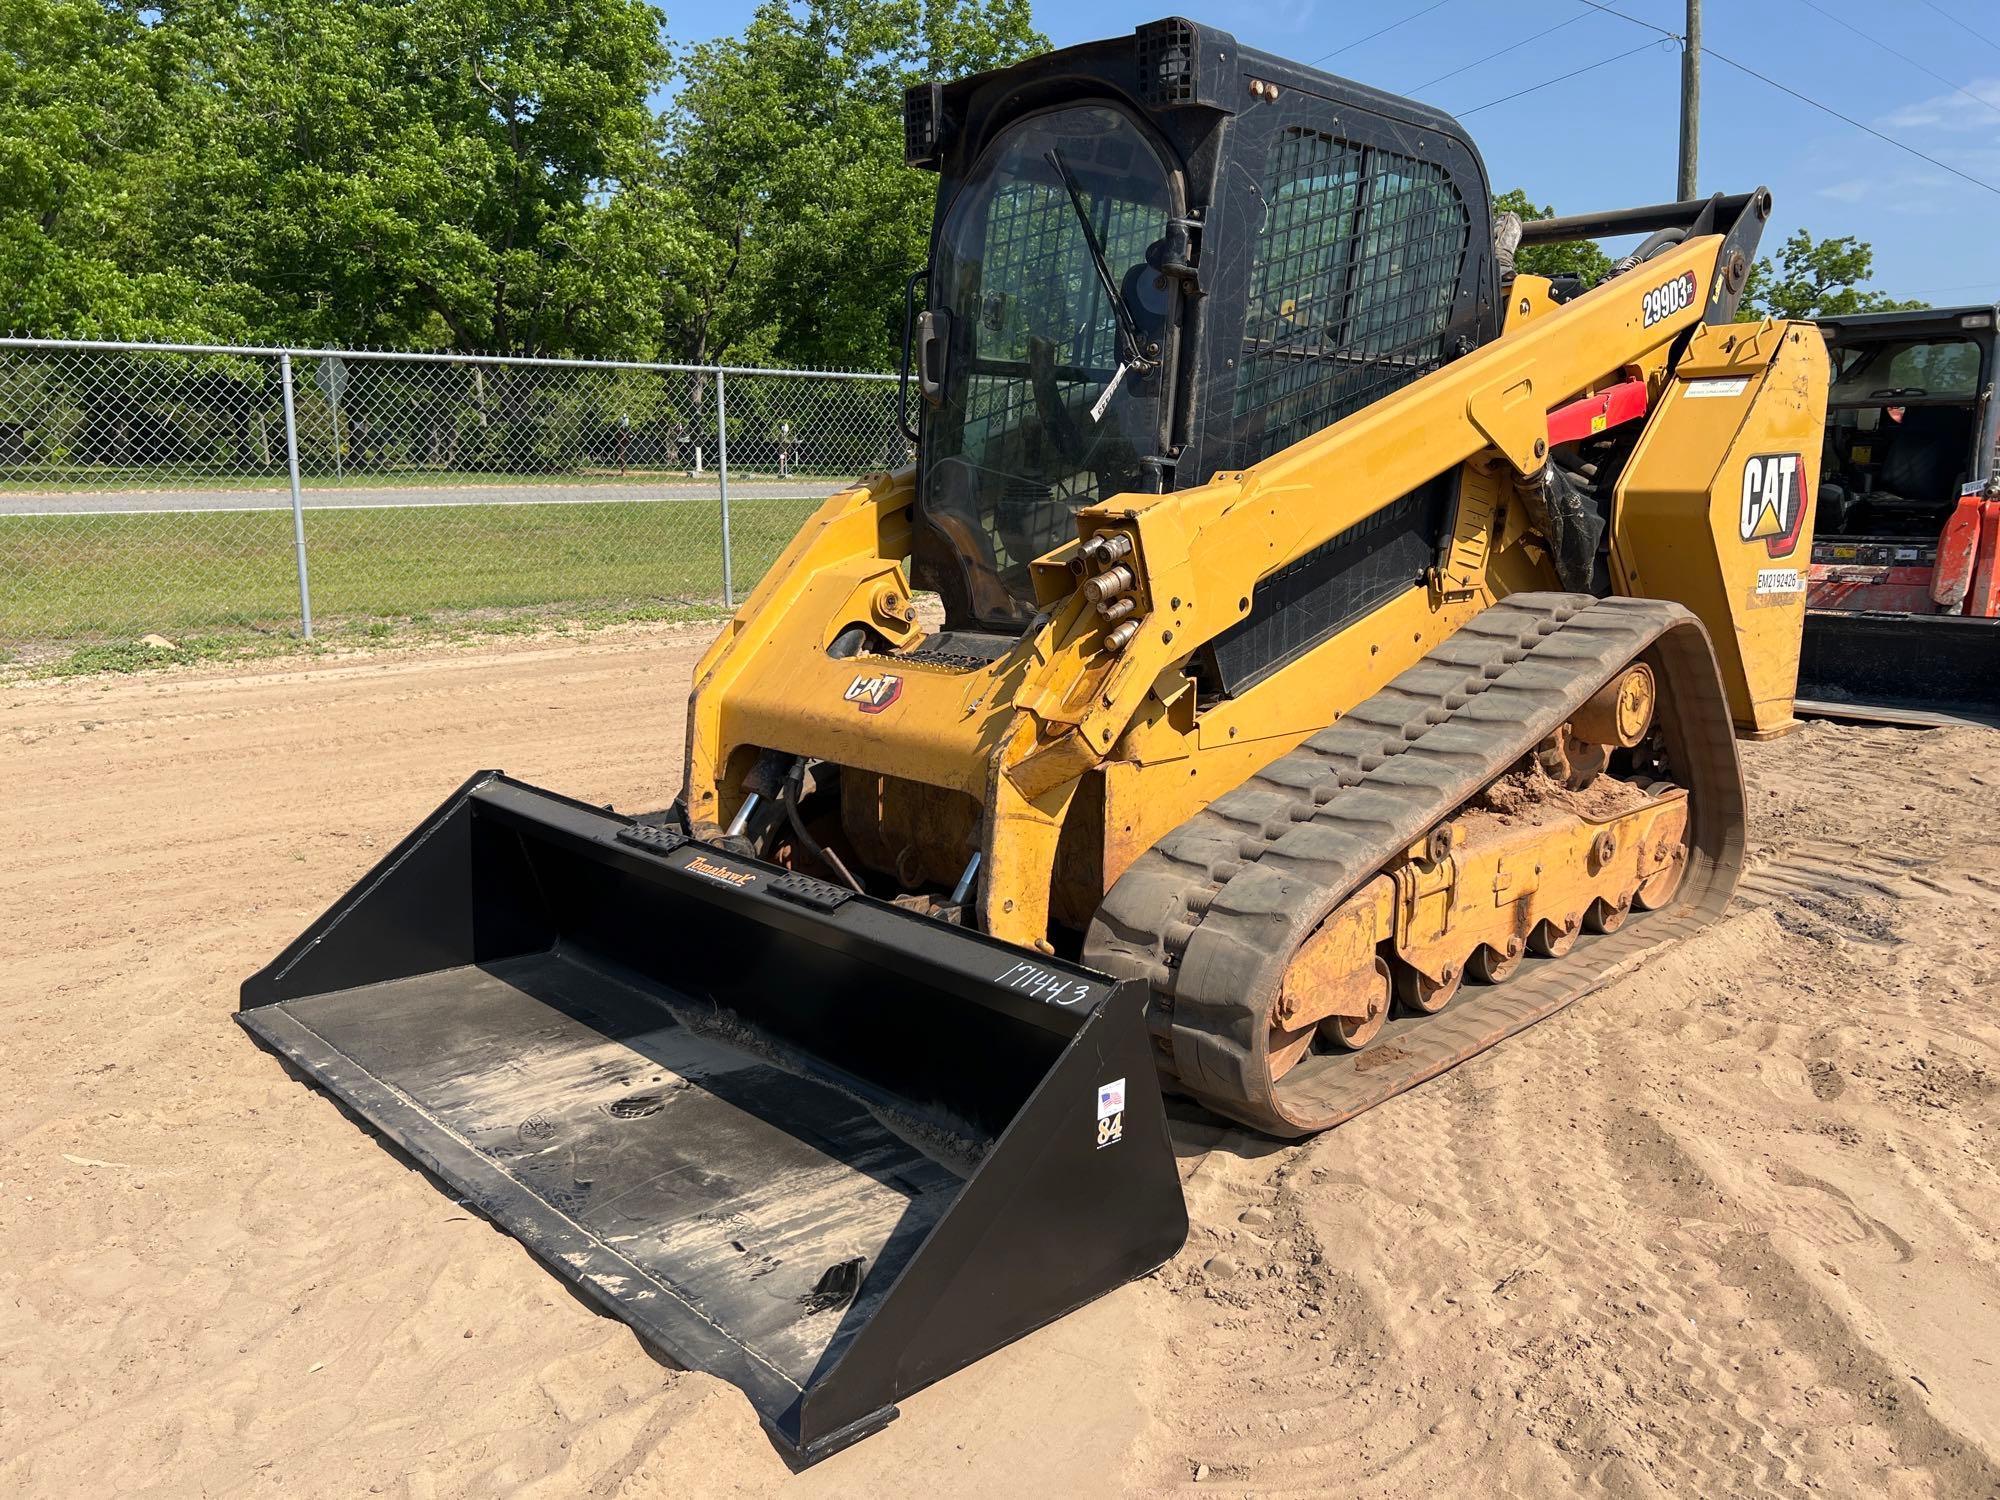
point(1664, 301)
point(1779, 581)
point(1110, 1112)
point(1033, 979)
point(1732, 385)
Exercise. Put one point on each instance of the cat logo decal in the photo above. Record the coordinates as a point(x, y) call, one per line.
point(1774, 502)
point(872, 694)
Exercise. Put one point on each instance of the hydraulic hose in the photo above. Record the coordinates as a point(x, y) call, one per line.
point(1649, 247)
point(789, 796)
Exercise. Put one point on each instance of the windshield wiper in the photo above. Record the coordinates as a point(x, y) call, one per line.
point(1128, 329)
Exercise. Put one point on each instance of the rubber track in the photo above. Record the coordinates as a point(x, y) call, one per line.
point(1212, 914)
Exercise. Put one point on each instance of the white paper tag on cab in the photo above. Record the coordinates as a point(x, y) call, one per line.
point(1728, 385)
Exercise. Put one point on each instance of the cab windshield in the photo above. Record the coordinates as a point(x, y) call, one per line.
point(1048, 269)
point(1902, 426)
point(1905, 370)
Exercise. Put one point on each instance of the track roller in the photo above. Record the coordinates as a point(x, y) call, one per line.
point(1491, 965)
point(1554, 937)
point(1605, 916)
point(1349, 1034)
point(1419, 994)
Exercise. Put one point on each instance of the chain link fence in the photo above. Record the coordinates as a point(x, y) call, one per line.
point(194, 491)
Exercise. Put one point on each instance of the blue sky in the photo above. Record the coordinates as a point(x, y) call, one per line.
point(1607, 137)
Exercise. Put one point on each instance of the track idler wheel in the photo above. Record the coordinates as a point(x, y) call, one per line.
point(1606, 916)
point(1619, 713)
point(1347, 1034)
point(1419, 994)
point(1289, 1046)
point(1491, 965)
point(1553, 938)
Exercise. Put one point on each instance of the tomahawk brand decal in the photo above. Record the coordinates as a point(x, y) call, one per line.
point(1664, 301)
point(1110, 1113)
point(1774, 502)
point(720, 873)
point(873, 692)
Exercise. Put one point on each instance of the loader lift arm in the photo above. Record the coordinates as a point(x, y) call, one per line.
point(1197, 556)
point(1208, 547)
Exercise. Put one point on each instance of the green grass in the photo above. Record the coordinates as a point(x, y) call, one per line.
point(92, 479)
point(80, 589)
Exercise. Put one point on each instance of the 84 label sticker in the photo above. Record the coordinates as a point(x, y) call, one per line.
point(1110, 1113)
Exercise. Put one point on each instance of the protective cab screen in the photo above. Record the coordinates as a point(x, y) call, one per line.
point(1048, 268)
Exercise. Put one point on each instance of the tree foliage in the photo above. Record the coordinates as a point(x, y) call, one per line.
point(443, 172)
point(1816, 279)
point(473, 174)
point(84, 130)
point(794, 221)
point(500, 175)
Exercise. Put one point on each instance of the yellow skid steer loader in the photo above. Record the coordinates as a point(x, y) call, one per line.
point(1343, 644)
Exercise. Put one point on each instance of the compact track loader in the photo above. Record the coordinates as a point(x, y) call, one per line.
point(1338, 647)
point(1903, 598)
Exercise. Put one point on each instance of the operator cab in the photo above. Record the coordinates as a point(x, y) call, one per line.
point(1909, 425)
point(1161, 258)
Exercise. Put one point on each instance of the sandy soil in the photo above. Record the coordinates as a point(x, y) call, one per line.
point(1727, 1227)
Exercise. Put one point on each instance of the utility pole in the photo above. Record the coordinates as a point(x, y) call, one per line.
point(1690, 102)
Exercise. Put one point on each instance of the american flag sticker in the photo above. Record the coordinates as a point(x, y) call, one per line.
point(1110, 1113)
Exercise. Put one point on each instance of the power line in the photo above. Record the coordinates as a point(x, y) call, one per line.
point(1661, 30)
point(1963, 286)
point(1850, 120)
point(1977, 35)
point(1434, 5)
point(1489, 57)
point(1563, 78)
point(1928, 73)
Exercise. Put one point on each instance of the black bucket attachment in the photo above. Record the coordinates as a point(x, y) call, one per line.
point(821, 1147)
point(1878, 667)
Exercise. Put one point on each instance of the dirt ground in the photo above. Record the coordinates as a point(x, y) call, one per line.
point(1727, 1227)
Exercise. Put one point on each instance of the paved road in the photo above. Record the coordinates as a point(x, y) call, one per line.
point(174, 500)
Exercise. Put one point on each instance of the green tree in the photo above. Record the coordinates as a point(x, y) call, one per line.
point(1581, 258)
point(83, 135)
point(427, 172)
point(791, 222)
point(1816, 279)
point(473, 174)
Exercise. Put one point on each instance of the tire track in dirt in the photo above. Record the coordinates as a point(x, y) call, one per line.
point(217, 1283)
point(1441, 1298)
point(1648, 1337)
